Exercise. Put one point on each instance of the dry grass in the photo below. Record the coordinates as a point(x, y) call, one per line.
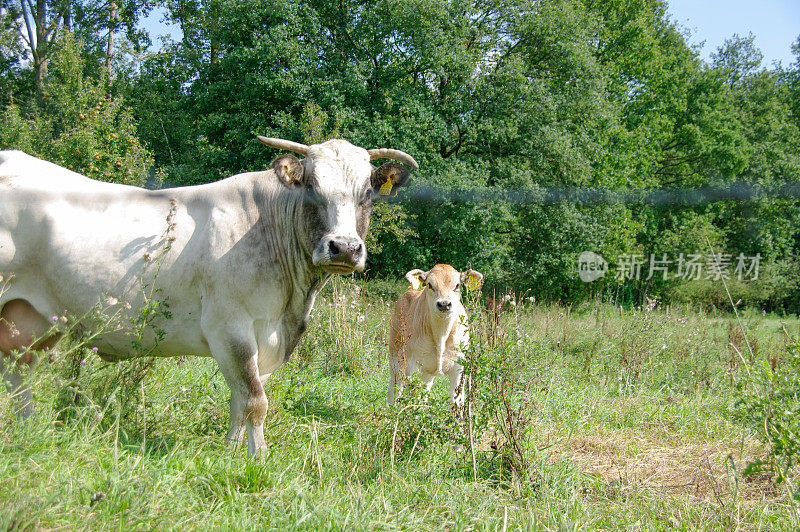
point(709, 471)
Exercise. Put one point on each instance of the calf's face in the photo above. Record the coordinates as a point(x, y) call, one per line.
point(441, 287)
point(339, 185)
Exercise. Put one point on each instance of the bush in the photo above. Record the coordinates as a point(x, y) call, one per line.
point(770, 406)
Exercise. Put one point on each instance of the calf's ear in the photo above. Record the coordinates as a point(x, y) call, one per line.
point(289, 170)
point(417, 278)
point(471, 279)
point(387, 178)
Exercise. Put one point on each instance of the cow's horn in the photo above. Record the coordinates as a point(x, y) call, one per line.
point(281, 144)
point(396, 155)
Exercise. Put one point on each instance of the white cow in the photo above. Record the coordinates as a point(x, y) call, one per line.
point(248, 256)
point(429, 330)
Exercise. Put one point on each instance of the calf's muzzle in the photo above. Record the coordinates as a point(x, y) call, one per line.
point(444, 305)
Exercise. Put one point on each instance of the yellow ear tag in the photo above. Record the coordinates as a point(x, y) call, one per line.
point(416, 284)
point(472, 284)
point(386, 189)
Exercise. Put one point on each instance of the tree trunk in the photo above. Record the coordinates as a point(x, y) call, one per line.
point(112, 18)
point(41, 56)
point(39, 34)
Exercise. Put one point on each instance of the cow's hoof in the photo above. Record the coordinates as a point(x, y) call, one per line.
point(259, 455)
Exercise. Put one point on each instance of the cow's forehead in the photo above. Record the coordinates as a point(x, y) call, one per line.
point(444, 275)
point(337, 165)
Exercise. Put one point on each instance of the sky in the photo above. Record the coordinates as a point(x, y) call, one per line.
point(156, 28)
point(775, 23)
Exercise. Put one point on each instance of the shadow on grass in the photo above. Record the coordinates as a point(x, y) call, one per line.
point(155, 446)
point(314, 404)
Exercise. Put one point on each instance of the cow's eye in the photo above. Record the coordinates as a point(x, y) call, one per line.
point(430, 286)
point(309, 193)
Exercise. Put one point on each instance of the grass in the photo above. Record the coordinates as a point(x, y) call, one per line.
point(625, 420)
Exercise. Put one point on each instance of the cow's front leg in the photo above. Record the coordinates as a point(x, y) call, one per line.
point(237, 356)
point(236, 428)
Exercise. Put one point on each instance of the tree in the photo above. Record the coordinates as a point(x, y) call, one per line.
point(508, 105)
point(738, 58)
point(39, 25)
point(79, 125)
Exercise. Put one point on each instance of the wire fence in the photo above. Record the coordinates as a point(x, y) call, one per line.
point(743, 192)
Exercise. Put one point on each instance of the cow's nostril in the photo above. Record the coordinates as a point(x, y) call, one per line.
point(358, 250)
point(333, 248)
point(444, 305)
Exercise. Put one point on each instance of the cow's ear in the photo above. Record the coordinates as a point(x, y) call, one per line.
point(417, 278)
point(472, 279)
point(289, 170)
point(387, 178)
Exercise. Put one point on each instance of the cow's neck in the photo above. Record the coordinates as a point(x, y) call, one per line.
point(285, 237)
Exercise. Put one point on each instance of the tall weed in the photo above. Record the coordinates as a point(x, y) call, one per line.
point(769, 403)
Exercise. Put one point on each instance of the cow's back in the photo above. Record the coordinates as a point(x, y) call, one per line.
point(18, 170)
point(68, 241)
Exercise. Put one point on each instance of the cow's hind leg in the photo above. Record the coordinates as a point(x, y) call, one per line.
point(20, 392)
point(22, 330)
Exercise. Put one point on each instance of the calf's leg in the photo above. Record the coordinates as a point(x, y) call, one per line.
point(427, 380)
point(394, 381)
point(455, 375)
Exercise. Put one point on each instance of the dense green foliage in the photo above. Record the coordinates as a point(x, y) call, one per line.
point(508, 105)
point(78, 125)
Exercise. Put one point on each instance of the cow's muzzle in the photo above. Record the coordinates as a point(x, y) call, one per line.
point(341, 255)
